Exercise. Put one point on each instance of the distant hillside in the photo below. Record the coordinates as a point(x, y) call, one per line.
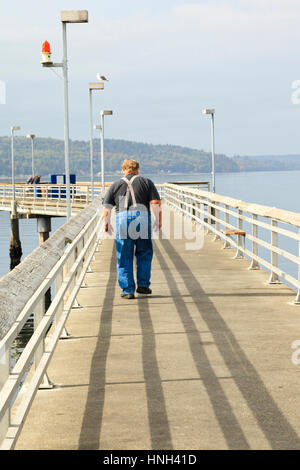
point(268, 163)
point(49, 158)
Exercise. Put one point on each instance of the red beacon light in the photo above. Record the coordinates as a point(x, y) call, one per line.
point(46, 53)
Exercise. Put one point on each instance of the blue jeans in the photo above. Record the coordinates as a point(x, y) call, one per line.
point(133, 237)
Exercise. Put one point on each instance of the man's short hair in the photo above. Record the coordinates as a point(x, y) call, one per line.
point(130, 165)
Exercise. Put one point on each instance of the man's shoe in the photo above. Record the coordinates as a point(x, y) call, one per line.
point(144, 290)
point(127, 296)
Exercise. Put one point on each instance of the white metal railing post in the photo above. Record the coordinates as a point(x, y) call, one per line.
point(81, 247)
point(226, 242)
point(217, 214)
point(4, 374)
point(73, 257)
point(211, 213)
point(254, 263)
point(274, 279)
point(239, 253)
point(57, 285)
point(39, 313)
point(61, 277)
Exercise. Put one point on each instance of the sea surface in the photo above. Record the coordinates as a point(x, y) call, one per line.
point(272, 188)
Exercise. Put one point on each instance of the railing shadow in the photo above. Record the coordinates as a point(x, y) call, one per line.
point(157, 414)
point(278, 431)
point(92, 419)
point(90, 434)
point(230, 426)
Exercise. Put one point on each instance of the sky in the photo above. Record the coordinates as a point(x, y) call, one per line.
point(166, 60)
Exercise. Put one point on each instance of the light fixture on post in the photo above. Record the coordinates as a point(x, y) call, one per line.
point(69, 16)
point(13, 129)
point(212, 113)
point(32, 137)
point(92, 87)
point(103, 113)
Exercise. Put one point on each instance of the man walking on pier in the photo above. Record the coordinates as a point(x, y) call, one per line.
point(132, 196)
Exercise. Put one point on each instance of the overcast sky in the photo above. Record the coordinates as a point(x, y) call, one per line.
point(166, 60)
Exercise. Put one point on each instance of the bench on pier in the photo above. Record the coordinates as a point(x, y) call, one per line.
point(234, 232)
point(238, 232)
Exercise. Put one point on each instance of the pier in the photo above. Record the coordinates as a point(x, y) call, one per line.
point(41, 202)
point(203, 363)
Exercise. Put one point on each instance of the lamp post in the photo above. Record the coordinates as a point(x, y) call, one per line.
point(13, 129)
point(212, 113)
point(92, 87)
point(103, 113)
point(32, 137)
point(98, 127)
point(72, 16)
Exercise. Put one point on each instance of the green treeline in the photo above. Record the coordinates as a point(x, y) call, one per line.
point(49, 158)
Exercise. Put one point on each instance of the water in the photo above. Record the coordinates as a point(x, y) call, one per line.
point(28, 235)
point(271, 188)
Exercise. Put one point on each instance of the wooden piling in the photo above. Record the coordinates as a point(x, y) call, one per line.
point(15, 248)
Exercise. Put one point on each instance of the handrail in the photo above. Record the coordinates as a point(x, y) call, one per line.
point(197, 184)
point(49, 199)
point(47, 191)
point(55, 265)
point(262, 233)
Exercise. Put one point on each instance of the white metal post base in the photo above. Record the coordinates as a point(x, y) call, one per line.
point(297, 299)
point(65, 334)
point(76, 304)
point(239, 255)
point(226, 245)
point(254, 265)
point(46, 384)
point(274, 279)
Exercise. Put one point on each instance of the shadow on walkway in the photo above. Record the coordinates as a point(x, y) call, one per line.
point(157, 413)
point(92, 420)
point(272, 422)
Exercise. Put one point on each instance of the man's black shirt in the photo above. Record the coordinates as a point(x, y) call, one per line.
point(144, 191)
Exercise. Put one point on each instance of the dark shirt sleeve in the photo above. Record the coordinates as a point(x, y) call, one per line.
point(153, 193)
point(109, 199)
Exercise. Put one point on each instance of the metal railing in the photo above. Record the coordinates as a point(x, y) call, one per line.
point(62, 263)
point(48, 192)
point(46, 198)
point(193, 184)
point(267, 236)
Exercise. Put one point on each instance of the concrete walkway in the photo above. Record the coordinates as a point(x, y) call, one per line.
point(204, 363)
